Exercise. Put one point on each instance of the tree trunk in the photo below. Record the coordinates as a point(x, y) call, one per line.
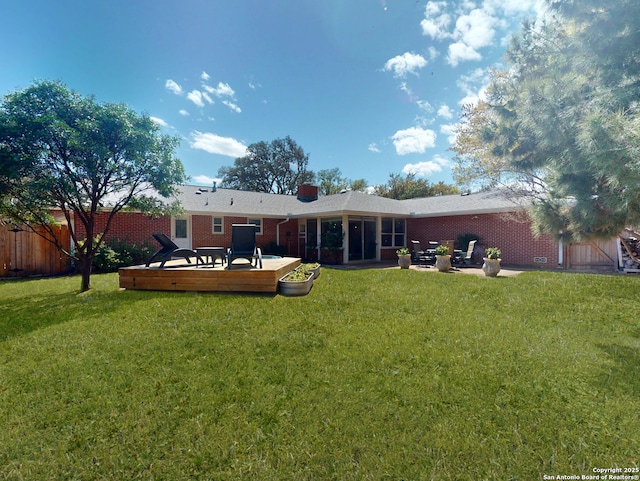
point(86, 276)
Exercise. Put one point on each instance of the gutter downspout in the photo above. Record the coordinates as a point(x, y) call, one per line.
point(278, 229)
point(560, 252)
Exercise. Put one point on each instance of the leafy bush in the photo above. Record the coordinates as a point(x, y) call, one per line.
point(464, 239)
point(120, 253)
point(274, 249)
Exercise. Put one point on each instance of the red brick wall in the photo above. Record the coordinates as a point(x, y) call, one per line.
point(510, 232)
point(202, 232)
point(130, 226)
point(138, 228)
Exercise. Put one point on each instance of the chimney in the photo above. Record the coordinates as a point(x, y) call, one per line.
point(307, 193)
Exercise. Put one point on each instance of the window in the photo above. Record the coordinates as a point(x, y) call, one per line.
point(393, 232)
point(218, 225)
point(257, 223)
point(181, 228)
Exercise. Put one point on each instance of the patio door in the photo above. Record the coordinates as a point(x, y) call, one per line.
point(181, 231)
point(362, 239)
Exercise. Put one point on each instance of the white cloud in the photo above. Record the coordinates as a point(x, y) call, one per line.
point(173, 86)
point(424, 105)
point(214, 144)
point(436, 21)
point(205, 96)
point(470, 26)
point(222, 90)
point(425, 169)
point(183, 112)
point(449, 131)
point(404, 64)
point(414, 140)
point(204, 76)
point(232, 106)
point(461, 52)
point(206, 180)
point(373, 148)
point(196, 97)
point(445, 111)
point(159, 122)
point(476, 29)
point(474, 86)
point(516, 7)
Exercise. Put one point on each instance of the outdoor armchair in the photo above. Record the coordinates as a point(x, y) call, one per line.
point(243, 245)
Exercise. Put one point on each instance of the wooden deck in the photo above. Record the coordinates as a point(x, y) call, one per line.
point(177, 275)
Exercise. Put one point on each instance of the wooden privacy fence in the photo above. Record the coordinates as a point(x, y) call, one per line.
point(25, 253)
point(595, 255)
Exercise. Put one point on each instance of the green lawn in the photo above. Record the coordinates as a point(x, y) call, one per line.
point(376, 374)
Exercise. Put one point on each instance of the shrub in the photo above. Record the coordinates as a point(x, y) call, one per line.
point(274, 249)
point(120, 253)
point(464, 239)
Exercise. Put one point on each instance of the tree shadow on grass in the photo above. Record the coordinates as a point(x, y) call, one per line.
point(24, 313)
point(622, 376)
point(35, 309)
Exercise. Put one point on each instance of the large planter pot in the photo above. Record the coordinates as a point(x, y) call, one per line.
point(295, 288)
point(315, 271)
point(404, 261)
point(443, 263)
point(491, 267)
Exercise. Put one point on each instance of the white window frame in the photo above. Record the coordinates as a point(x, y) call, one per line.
point(257, 221)
point(213, 225)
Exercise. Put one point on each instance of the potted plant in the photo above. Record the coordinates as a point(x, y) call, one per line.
point(491, 259)
point(404, 257)
point(298, 282)
point(311, 267)
point(443, 258)
point(332, 242)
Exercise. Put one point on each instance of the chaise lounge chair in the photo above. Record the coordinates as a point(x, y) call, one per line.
point(243, 245)
point(168, 250)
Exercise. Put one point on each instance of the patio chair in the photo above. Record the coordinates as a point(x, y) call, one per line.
point(419, 256)
point(168, 250)
point(468, 257)
point(243, 245)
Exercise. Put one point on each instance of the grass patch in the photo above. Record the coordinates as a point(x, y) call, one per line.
point(376, 374)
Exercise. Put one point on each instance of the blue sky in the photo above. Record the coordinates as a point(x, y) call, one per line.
point(372, 87)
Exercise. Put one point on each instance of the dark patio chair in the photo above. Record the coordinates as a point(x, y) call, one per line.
point(243, 245)
point(419, 256)
point(168, 250)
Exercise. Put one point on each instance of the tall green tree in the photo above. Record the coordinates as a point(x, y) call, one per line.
point(63, 151)
point(278, 167)
point(410, 187)
point(331, 181)
point(562, 123)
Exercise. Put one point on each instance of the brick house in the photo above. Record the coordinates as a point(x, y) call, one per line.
point(372, 227)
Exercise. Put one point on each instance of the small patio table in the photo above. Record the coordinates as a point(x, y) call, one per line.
point(212, 253)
